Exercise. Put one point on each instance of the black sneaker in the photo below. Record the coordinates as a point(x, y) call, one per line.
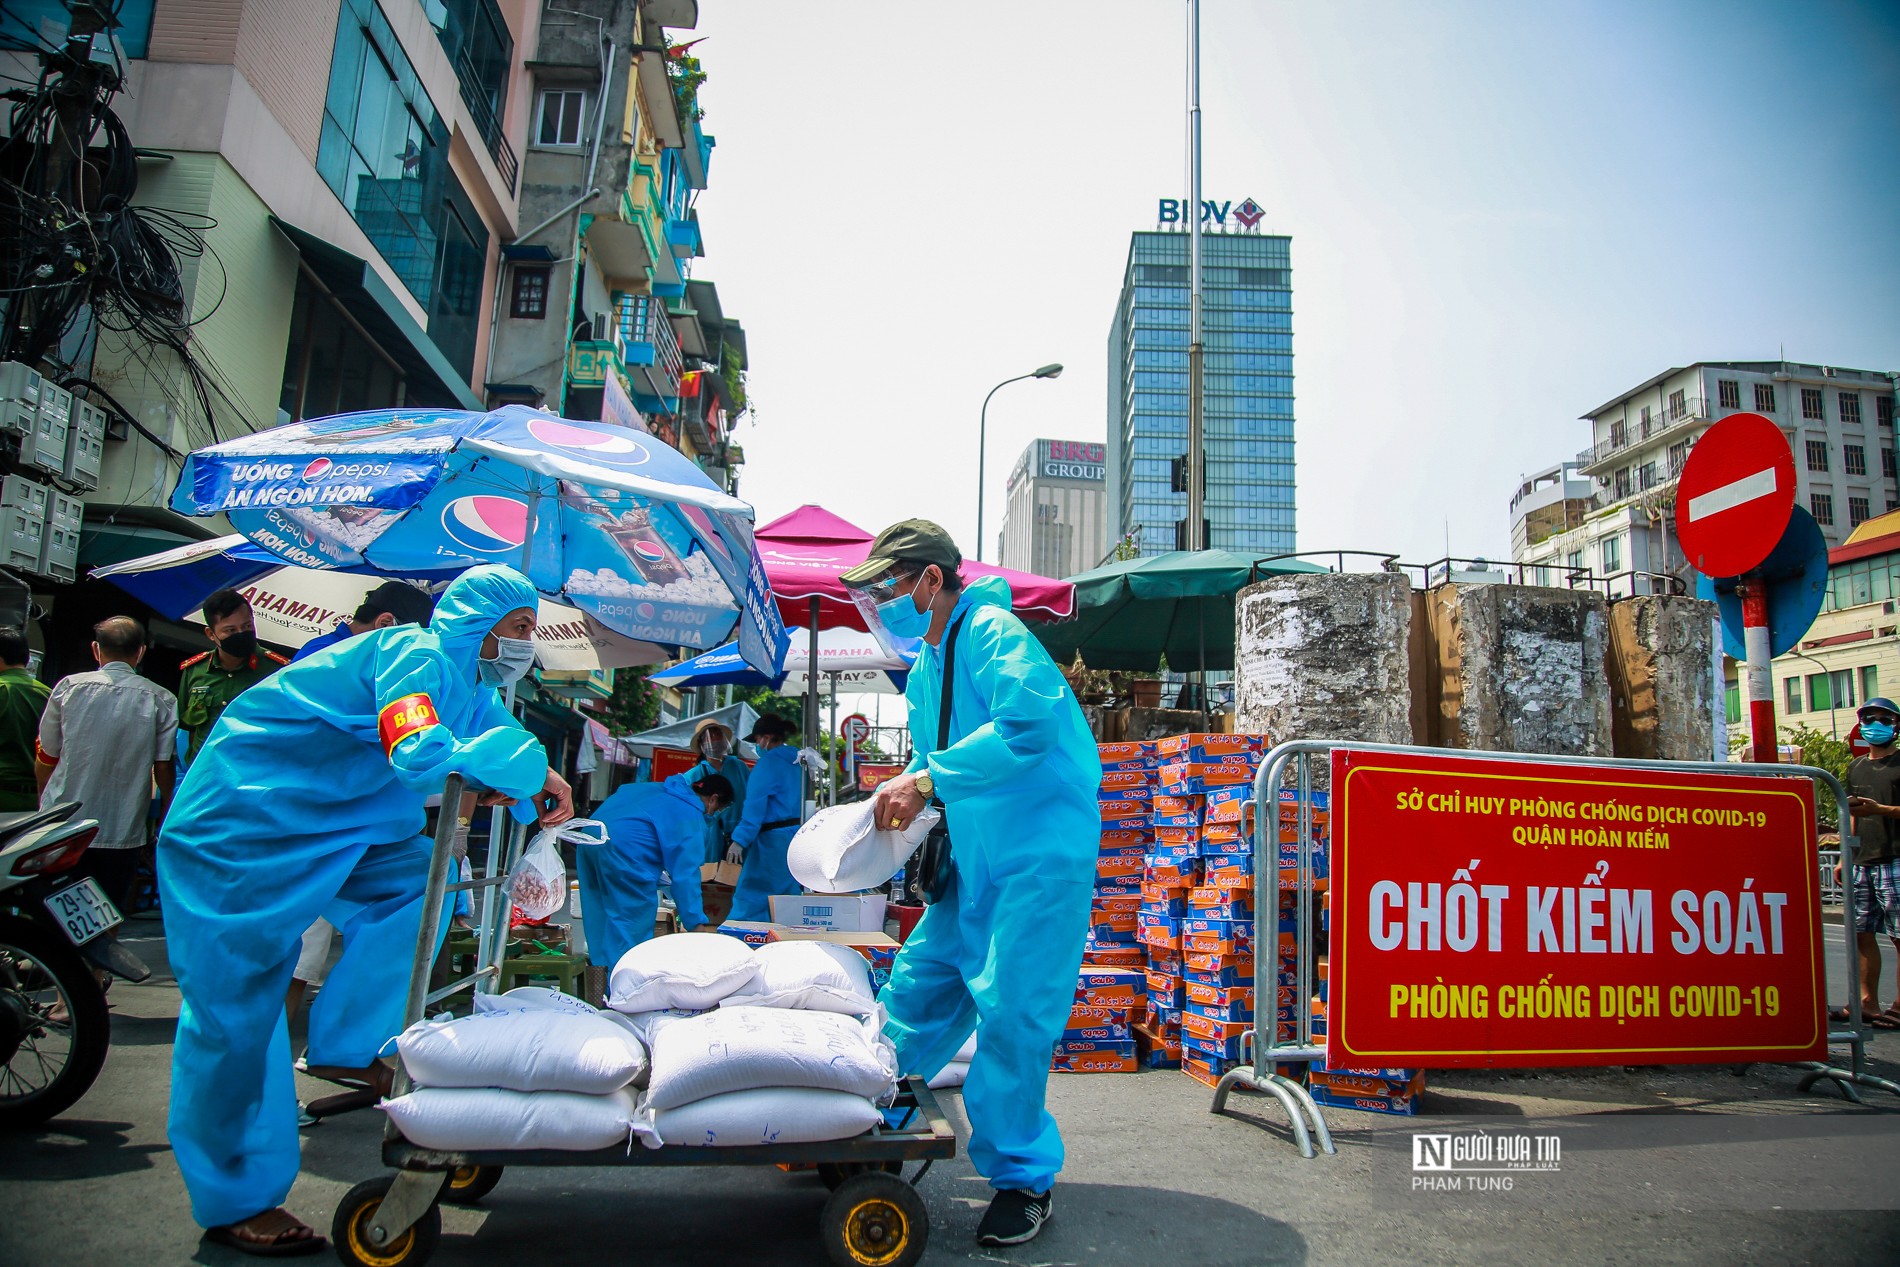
point(1014, 1217)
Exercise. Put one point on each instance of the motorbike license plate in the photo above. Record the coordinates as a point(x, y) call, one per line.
point(84, 911)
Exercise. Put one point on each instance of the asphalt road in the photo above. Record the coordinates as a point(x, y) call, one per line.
point(1683, 1165)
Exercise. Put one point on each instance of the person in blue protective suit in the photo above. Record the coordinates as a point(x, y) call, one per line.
point(306, 801)
point(774, 795)
point(999, 951)
point(713, 743)
point(651, 827)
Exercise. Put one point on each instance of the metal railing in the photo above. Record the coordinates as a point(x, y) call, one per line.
point(650, 340)
point(1832, 890)
point(1635, 434)
point(487, 121)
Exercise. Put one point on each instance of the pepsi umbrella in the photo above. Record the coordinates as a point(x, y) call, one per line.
point(851, 660)
point(601, 517)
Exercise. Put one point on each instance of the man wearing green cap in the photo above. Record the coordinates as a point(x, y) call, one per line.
point(1017, 779)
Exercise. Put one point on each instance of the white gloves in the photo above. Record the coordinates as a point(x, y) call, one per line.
point(811, 760)
point(735, 854)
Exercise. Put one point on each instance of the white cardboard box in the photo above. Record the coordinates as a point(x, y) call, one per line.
point(859, 913)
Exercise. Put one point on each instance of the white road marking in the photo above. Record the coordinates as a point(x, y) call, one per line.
point(1729, 496)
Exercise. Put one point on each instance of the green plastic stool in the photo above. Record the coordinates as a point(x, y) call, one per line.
point(565, 968)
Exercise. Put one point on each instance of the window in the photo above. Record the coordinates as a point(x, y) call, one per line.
point(1854, 459)
point(1791, 695)
point(1646, 476)
point(1612, 548)
point(1730, 393)
point(1678, 454)
point(1887, 467)
point(1622, 483)
point(1822, 506)
point(1883, 410)
point(562, 113)
point(1817, 455)
point(1646, 417)
point(1811, 408)
point(1840, 685)
point(1869, 681)
point(530, 298)
point(1619, 434)
point(1819, 701)
point(1734, 694)
point(475, 36)
point(1576, 560)
point(24, 23)
point(1857, 512)
point(1764, 398)
point(1678, 407)
point(1850, 406)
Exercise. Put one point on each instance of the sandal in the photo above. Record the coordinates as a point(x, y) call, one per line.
point(275, 1238)
point(1839, 1015)
point(1889, 1019)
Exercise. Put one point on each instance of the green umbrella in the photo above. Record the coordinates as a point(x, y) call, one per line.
point(1130, 613)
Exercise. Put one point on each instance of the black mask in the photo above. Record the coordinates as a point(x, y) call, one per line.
point(239, 645)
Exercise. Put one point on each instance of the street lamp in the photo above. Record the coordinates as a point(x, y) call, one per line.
point(1833, 725)
point(982, 433)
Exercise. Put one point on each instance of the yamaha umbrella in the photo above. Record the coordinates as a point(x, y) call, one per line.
point(602, 517)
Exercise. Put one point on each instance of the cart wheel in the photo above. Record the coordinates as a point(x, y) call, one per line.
point(834, 1173)
point(875, 1219)
point(349, 1230)
point(470, 1184)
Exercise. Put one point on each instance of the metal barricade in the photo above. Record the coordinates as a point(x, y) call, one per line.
point(1832, 889)
point(1290, 765)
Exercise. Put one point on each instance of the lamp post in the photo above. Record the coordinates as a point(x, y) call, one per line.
point(982, 434)
point(1833, 724)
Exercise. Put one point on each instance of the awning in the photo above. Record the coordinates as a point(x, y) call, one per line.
point(130, 534)
point(430, 378)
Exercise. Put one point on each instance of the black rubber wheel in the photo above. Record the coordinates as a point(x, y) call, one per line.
point(46, 1064)
point(875, 1219)
point(470, 1184)
point(349, 1230)
point(835, 1173)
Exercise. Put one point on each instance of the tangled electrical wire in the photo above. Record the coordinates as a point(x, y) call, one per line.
point(74, 247)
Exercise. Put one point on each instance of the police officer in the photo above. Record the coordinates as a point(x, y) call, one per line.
point(235, 663)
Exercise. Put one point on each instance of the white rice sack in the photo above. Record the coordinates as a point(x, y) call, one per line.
point(468, 1119)
point(765, 1115)
point(742, 1048)
point(527, 1049)
point(814, 975)
point(953, 1074)
point(534, 996)
point(967, 1052)
point(692, 971)
point(841, 849)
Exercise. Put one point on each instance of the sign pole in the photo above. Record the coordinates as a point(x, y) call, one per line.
point(1757, 672)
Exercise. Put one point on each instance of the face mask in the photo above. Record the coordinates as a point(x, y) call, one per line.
point(1877, 733)
point(902, 619)
point(239, 645)
point(716, 749)
point(513, 658)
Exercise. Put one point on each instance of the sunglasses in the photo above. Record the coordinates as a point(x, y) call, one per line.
point(885, 590)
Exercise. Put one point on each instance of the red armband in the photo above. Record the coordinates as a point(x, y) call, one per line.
point(43, 757)
point(407, 716)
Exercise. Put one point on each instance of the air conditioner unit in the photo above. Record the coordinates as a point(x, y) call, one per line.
point(600, 327)
point(1828, 371)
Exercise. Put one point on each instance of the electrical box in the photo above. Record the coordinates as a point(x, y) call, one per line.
point(59, 541)
point(44, 447)
point(23, 507)
point(85, 444)
point(19, 397)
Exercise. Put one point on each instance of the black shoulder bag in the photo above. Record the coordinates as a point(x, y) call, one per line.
point(932, 869)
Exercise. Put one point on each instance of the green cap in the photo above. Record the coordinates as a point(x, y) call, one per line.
point(914, 541)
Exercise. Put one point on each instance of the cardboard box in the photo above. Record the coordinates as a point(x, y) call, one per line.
point(726, 873)
point(1204, 1069)
point(1096, 1062)
point(1216, 936)
point(1207, 995)
point(1223, 970)
point(1118, 886)
point(1126, 837)
point(1189, 779)
point(1224, 804)
point(1209, 1048)
point(1175, 871)
point(1130, 861)
point(1111, 987)
point(1128, 822)
point(862, 913)
point(1403, 1105)
point(751, 932)
point(1204, 746)
point(1133, 785)
point(1097, 956)
point(1125, 753)
point(1089, 1016)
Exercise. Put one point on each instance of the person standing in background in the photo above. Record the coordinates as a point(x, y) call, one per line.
point(212, 679)
point(105, 740)
point(22, 699)
point(389, 604)
point(651, 827)
point(774, 793)
point(713, 743)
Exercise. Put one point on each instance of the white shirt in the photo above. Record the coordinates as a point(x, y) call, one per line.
point(107, 729)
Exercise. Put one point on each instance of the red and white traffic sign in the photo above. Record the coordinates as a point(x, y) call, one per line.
point(1735, 495)
point(855, 729)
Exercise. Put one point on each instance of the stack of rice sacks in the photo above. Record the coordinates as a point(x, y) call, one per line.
point(781, 1044)
point(1099, 1037)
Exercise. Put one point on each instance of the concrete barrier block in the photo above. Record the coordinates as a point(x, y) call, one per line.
point(1324, 656)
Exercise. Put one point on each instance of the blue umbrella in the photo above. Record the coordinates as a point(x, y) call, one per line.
point(602, 517)
point(853, 660)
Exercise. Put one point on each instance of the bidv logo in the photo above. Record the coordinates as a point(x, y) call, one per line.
point(325, 468)
point(486, 525)
point(616, 447)
point(1248, 214)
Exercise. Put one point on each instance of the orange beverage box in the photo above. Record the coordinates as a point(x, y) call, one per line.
point(1208, 746)
point(1198, 961)
point(1220, 996)
point(1163, 890)
point(1348, 1084)
point(1122, 862)
point(1138, 782)
point(1192, 778)
point(1166, 804)
point(1117, 810)
point(1199, 1068)
point(1130, 750)
point(1215, 1031)
point(1110, 987)
point(1222, 833)
point(1095, 1016)
point(1117, 839)
point(1114, 957)
point(1094, 1062)
point(1177, 836)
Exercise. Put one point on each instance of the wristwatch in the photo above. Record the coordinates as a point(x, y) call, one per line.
point(926, 786)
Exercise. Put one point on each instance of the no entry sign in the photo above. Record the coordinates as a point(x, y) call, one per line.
point(1735, 495)
point(1503, 913)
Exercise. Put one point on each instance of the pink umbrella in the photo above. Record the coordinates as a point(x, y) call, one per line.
point(806, 551)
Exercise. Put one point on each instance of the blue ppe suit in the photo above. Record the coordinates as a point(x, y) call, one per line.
point(999, 953)
point(774, 794)
point(323, 642)
point(720, 825)
point(651, 827)
point(295, 809)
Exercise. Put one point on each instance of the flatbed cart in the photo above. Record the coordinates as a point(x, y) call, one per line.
point(874, 1217)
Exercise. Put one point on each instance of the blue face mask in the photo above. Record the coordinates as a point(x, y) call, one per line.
point(902, 619)
point(1877, 733)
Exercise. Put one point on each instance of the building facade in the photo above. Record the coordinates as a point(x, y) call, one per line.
point(1053, 518)
point(1839, 424)
point(1248, 389)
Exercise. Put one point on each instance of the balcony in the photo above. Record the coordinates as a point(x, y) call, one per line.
point(591, 361)
point(652, 354)
point(1638, 434)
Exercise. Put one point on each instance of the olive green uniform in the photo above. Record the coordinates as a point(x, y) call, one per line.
point(206, 689)
point(22, 700)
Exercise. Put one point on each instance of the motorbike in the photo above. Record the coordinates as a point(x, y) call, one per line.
point(56, 935)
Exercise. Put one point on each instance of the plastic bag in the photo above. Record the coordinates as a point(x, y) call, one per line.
point(538, 884)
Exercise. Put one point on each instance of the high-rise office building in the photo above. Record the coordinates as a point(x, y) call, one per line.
point(1247, 322)
point(1052, 524)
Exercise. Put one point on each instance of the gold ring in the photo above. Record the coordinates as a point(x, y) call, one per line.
point(895, 822)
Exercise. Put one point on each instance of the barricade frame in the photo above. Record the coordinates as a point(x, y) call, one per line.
point(1268, 1052)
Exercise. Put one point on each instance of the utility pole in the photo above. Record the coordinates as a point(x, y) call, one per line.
point(1196, 440)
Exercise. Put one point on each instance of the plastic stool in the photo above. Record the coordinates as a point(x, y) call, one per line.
point(564, 968)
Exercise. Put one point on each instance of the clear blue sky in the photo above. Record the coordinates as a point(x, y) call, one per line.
point(1502, 215)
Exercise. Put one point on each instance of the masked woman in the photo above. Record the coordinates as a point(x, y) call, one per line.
point(713, 743)
point(774, 795)
point(651, 827)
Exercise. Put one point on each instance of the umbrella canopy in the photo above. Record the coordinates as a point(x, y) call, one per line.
point(1132, 612)
point(858, 661)
point(739, 718)
point(806, 551)
point(603, 517)
point(292, 605)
